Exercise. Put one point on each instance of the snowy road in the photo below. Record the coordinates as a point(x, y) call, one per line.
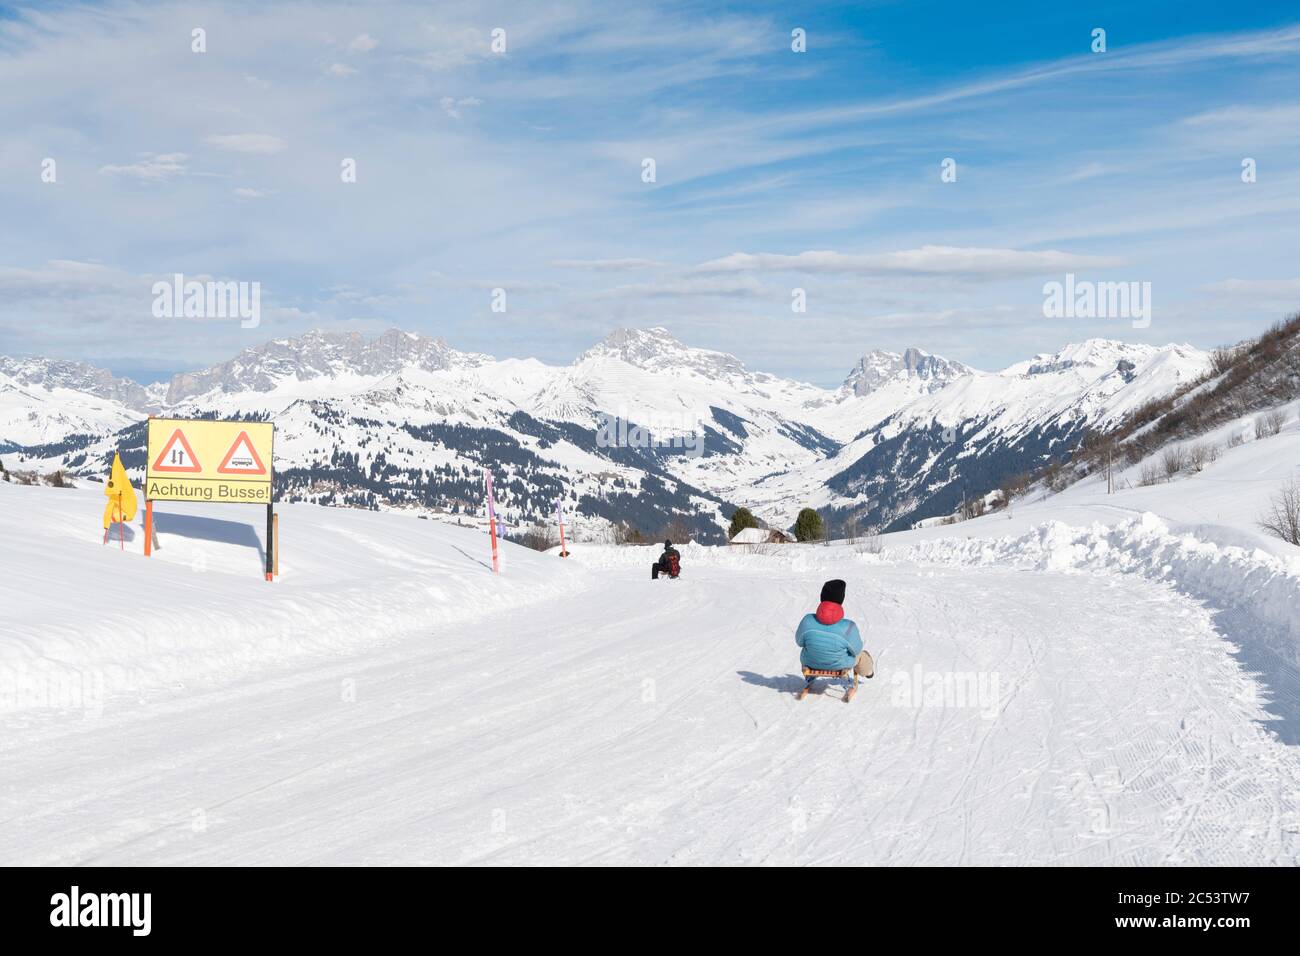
point(654, 723)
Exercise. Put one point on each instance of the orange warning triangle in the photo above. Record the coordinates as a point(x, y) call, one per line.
point(242, 458)
point(175, 459)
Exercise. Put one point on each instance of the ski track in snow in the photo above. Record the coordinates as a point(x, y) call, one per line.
point(654, 722)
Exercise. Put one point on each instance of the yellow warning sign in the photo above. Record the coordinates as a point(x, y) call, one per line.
point(194, 459)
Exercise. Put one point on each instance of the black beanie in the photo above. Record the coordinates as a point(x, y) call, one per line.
point(833, 591)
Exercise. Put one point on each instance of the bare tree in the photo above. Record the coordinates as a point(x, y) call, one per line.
point(1270, 423)
point(851, 529)
point(1013, 486)
point(625, 533)
point(676, 530)
point(1222, 359)
point(871, 544)
point(1201, 455)
point(1174, 460)
point(1283, 516)
point(539, 537)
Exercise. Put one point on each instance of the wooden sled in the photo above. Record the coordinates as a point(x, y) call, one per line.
point(811, 674)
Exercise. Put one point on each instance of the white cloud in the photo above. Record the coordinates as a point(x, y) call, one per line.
point(363, 43)
point(62, 276)
point(151, 167)
point(927, 260)
point(257, 143)
point(451, 49)
point(607, 265)
point(248, 192)
point(1279, 293)
point(340, 69)
point(452, 106)
point(1086, 171)
point(740, 287)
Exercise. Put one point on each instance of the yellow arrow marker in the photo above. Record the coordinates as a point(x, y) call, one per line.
point(121, 496)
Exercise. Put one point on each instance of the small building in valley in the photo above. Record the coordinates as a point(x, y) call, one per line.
point(760, 536)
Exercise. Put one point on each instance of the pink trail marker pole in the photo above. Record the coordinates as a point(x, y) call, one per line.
point(492, 525)
point(559, 517)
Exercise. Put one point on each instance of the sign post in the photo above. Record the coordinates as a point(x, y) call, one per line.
point(192, 459)
point(270, 541)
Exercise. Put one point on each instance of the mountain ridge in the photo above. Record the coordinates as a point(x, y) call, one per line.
point(405, 420)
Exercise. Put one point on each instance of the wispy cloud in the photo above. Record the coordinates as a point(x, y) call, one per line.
point(607, 265)
point(263, 144)
point(927, 260)
point(150, 167)
point(453, 107)
point(363, 43)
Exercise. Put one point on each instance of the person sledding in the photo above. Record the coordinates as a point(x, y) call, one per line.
point(830, 643)
point(669, 563)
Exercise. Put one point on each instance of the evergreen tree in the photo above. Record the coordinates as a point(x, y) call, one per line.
point(742, 519)
point(808, 526)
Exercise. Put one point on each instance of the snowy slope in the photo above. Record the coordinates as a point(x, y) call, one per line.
point(350, 581)
point(1046, 693)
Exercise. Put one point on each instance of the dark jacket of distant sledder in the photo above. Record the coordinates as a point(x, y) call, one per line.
point(830, 641)
point(669, 563)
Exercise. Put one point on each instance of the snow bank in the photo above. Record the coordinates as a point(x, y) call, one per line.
point(1260, 592)
point(790, 557)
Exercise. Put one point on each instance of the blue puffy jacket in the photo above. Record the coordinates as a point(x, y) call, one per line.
point(829, 640)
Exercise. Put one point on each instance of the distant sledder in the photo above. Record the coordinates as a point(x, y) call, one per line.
point(831, 644)
point(669, 563)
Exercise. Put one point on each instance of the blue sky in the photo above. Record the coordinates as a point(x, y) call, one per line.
point(522, 170)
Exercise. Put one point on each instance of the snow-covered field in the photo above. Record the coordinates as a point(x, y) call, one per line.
point(1096, 680)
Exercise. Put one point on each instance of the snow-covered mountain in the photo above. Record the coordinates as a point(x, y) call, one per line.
point(922, 458)
point(880, 368)
point(44, 401)
point(321, 355)
point(51, 374)
point(404, 420)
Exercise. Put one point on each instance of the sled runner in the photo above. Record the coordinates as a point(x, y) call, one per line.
point(811, 674)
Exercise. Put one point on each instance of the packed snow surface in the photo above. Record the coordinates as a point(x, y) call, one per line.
point(1092, 693)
